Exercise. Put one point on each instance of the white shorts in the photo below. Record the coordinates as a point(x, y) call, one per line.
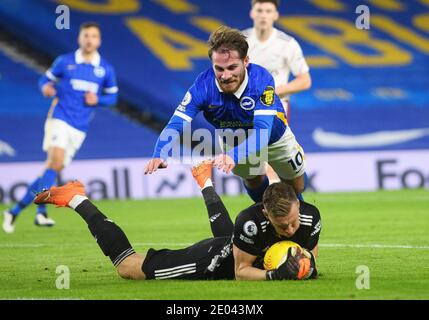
point(60, 134)
point(285, 156)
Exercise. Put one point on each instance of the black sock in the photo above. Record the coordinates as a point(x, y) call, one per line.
point(111, 239)
point(220, 221)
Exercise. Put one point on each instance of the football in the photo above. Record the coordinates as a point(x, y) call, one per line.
point(277, 254)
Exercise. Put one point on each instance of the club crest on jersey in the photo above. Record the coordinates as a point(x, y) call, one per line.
point(247, 103)
point(99, 72)
point(267, 97)
point(250, 228)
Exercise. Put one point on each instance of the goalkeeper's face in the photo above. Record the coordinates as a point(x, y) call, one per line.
point(89, 40)
point(285, 226)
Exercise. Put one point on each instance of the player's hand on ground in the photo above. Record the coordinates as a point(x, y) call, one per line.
point(48, 90)
point(91, 99)
point(154, 164)
point(225, 163)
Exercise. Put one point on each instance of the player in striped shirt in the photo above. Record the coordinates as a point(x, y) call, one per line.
point(79, 82)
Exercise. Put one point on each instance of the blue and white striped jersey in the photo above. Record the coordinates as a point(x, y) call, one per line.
point(73, 77)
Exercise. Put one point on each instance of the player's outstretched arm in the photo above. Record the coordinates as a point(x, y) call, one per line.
point(243, 266)
point(155, 164)
point(258, 139)
point(224, 162)
point(301, 82)
point(168, 136)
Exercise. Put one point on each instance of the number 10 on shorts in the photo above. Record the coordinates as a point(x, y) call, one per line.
point(297, 161)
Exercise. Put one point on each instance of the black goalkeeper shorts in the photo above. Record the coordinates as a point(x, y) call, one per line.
point(207, 259)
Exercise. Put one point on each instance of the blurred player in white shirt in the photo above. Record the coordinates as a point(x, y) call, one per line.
point(276, 51)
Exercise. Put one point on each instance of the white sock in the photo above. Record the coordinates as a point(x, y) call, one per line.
point(76, 200)
point(208, 183)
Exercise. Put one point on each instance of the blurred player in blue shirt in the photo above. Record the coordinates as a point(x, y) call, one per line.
point(78, 81)
point(237, 95)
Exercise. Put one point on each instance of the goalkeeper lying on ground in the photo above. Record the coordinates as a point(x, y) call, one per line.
point(233, 252)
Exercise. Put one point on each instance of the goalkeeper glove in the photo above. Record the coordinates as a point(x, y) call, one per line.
point(299, 265)
point(288, 270)
point(311, 272)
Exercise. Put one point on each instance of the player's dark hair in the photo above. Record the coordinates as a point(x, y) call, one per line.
point(274, 2)
point(226, 39)
point(90, 24)
point(278, 199)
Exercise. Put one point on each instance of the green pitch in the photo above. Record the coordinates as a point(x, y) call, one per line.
point(359, 229)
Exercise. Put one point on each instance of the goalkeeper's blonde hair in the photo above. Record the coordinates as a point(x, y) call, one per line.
point(278, 199)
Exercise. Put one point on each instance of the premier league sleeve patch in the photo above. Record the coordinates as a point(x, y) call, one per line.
point(250, 228)
point(186, 100)
point(267, 97)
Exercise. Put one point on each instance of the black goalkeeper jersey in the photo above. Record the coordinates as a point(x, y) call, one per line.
point(254, 234)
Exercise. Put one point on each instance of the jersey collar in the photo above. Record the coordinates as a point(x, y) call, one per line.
point(78, 57)
point(266, 42)
point(241, 89)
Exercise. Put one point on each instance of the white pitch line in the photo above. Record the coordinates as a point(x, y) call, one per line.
point(185, 244)
point(372, 246)
point(22, 245)
point(323, 245)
